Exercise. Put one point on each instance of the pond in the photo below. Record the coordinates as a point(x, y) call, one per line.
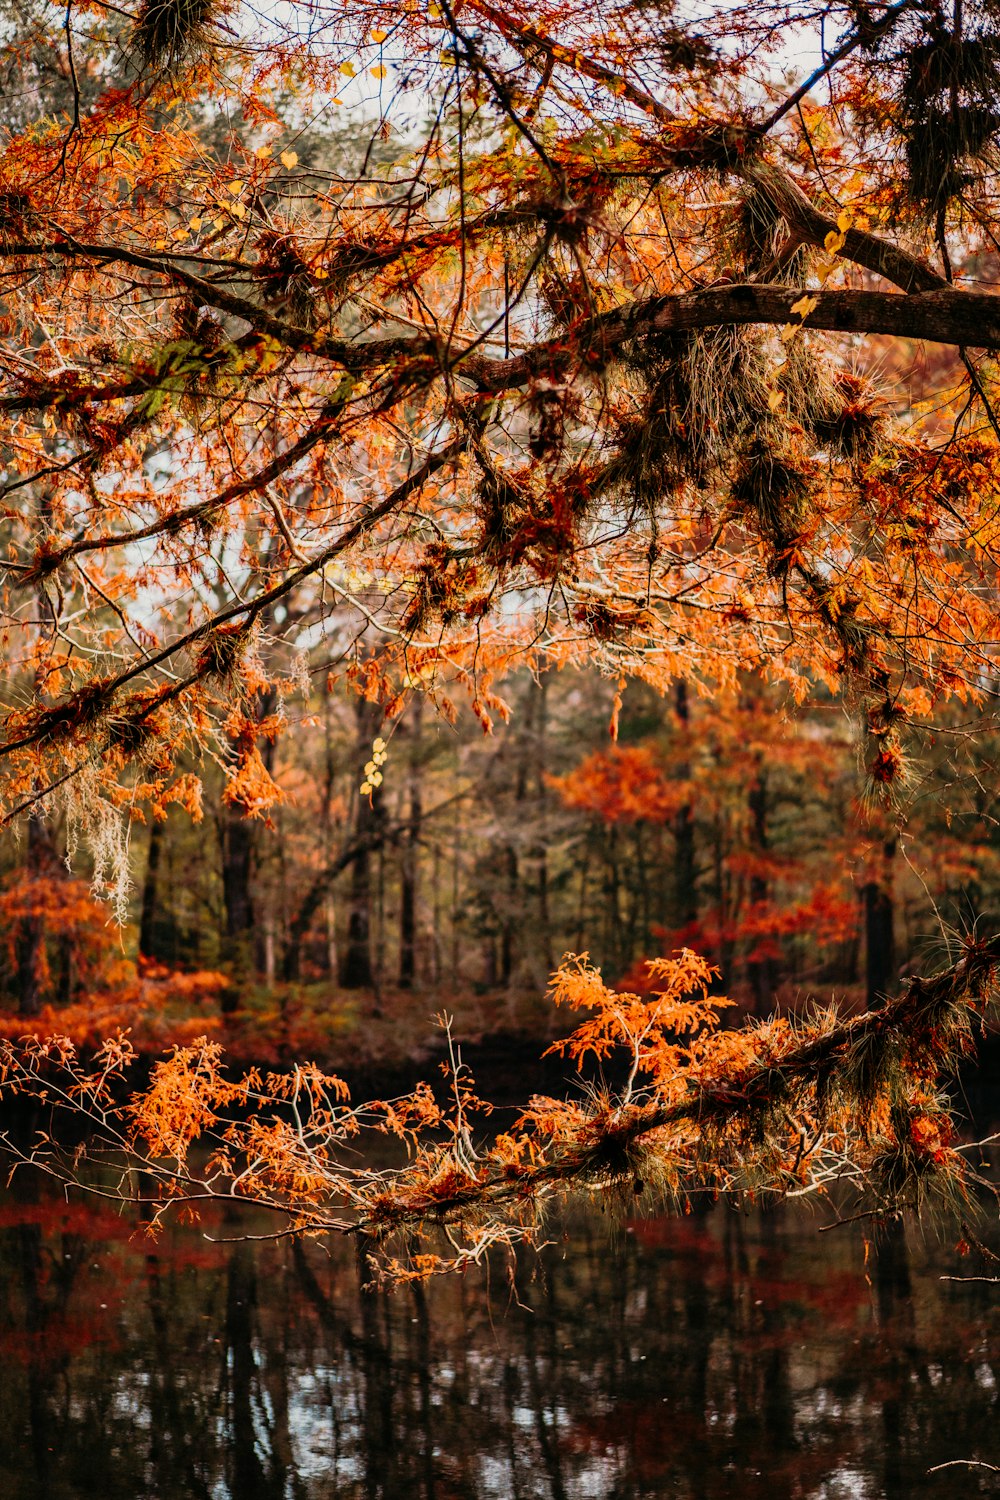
point(712, 1356)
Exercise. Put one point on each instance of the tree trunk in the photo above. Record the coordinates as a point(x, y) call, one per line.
point(147, 921)
point(357, 971)
point(238, 837)
point(410, 859)
point(539, 850)
point(40, 862)
point(685, 875)
point(880, 945)
point(760, 972)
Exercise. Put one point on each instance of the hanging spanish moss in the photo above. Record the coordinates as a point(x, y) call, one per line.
point(168, 32)
point(769, 493)
point(853, 422)
point(950, 100)
point(761, 244)
point(703, 394)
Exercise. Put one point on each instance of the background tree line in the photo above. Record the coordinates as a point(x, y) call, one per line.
point(736, 827)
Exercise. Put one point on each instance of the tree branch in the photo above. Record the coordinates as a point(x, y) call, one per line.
point(948, 316)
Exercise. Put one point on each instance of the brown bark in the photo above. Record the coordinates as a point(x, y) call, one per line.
point(356, 970)
point(685, 873)
point(760, 972)
point(237, 838)
point(40, 861)
point(880, 943)
point(409, 863)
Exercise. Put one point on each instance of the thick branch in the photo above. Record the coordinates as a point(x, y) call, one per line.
point(812, 227)
point(917, 1018)
point(948, 316)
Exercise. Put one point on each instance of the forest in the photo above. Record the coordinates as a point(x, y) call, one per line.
point(480, 860)
point(499, 524)
point(499, 679)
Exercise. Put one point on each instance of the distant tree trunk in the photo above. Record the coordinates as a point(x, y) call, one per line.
point(511, 917)
point(539, 851)
point(456, 883)
point(437, 937)
point(880, 945)
point(40, 861)
point(357, 971)
point(581, 909)
point(318, 892)
point(147, 920)
point(410, 858)
point(237, 837)
point(613, 916)
point(685, 874)
point(317, 895)
point(330, 918)
point(760, 972)
point(40, 855)
point(270, 965)
point(723, 904)
point(511, 879)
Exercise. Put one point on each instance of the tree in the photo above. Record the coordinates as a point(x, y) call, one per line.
point(538, 375)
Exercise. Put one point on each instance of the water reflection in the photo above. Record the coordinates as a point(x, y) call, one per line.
point(700, 1358)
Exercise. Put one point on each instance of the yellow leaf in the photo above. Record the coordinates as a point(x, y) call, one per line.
point(378, 71)
point(348, 69)
point(805, 306)
point(239, 209)
point(219, 223)
point(378, 744)
point(263, 152)
point(195, 225)
point(775, 400)
point(289, 159)
point(236, 189)
point(844, 220)
point(833, 242)
point(378, 35)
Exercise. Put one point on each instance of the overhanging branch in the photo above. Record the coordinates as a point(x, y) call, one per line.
point(946, 316)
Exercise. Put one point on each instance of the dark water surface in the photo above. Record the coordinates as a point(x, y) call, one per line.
point(701, 1357)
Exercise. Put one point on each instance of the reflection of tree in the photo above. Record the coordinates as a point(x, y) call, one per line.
point(30, 1254)
point(894, 1291)
point(700, 1359)
point(174, 1435)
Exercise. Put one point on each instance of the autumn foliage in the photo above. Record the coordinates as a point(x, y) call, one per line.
point(782, 1108)
point(385, 350)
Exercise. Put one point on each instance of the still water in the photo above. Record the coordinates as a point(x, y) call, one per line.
point(715, 1356)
